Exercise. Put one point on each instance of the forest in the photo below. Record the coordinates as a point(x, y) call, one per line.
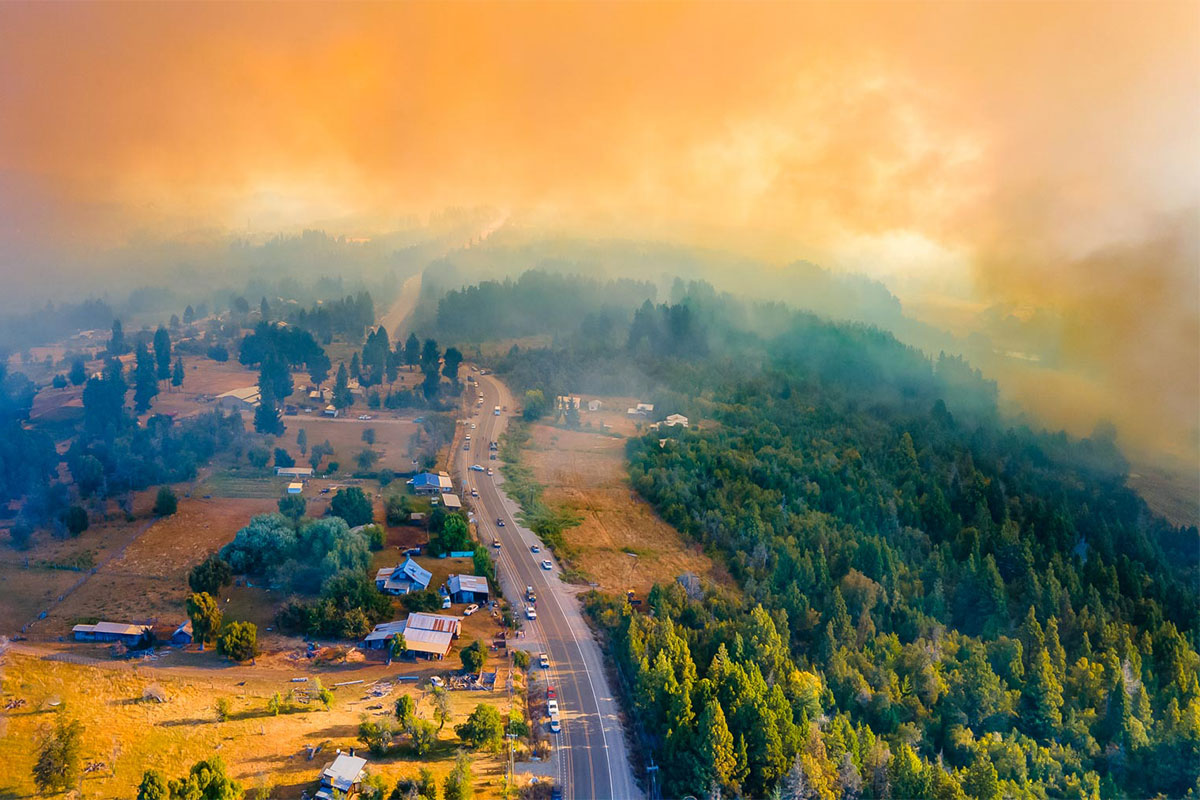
point(930, 602)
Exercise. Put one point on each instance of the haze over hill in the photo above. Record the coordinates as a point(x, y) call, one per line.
point(1022, 178)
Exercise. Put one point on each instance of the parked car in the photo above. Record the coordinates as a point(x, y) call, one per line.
point(469, 610)
point(530, 612)
point(551, 693)
point(446, 602)
point(552, 708)
point(547, 565)
point(474, 493)
point(544, 662)
point(475, 468)
point(364, 416)
point(555, 725)
point(533, 548)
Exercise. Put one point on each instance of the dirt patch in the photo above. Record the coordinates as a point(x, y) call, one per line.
point(621, 543)
point(392, 436)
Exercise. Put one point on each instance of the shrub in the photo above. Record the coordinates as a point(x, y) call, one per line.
point(483, 728)
point(239, 641)
point(165, 504)
point(473, 657)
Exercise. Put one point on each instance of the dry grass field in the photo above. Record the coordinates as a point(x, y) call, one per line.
point(128, 734)
point(621, 543)
point(392, 436)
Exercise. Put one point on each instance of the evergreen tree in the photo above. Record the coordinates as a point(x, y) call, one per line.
point(59, 756)
point(716, 745)
point(116, 344)
point(145, 380)
point(177, 373)
point(162, 353)
point(342, 397)
point(1041, 698)
point(78, 373)
point(412, 351)
point(205, 616)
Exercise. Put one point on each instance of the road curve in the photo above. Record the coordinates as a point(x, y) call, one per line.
point(593, 758)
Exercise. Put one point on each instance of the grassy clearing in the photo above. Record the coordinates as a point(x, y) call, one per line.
point(547, 521)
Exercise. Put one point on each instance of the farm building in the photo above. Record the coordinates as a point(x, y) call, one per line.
point(430, 483)
point(126, 634)
point(676, 419)
point(342, 777)
point(331, 411)
point(294, 472)
point(419, 620)
point(377, 639)
point(295, 487)
point(177, 635)
point(244, 399)
point(468, 588)
point(407, 577)
point(434, 644)
point(451, 501)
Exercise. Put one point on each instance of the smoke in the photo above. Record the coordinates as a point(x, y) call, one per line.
point(1037, 159)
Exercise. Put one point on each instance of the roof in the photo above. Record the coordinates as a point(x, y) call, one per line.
point(118, 628)
point(385, 630)
point(439, 480)
point(344, 771)
point(248, 394)
point(416, 572)
point(419, 620)
point(467, 583)
point(295, 488)
point(451, 500)
point(419, 640)
point(299, 472)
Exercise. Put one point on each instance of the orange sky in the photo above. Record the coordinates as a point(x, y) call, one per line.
point(1024, 153)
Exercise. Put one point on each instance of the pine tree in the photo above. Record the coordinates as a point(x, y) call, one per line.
point(1041, 698)
point(145, 380)
point(116, 345)
point(266, 416)
point(177, 373)
point(716, 744)
point(162, 353)
point(412, 351)
point(342, 398)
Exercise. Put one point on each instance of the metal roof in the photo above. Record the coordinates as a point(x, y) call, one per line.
point(385, 630)
point(118, 628)
point(467, 583)
point(344, 771)
point(419, 620)
point(419, 640)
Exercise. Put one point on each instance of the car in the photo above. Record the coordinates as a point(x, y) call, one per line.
point(325, 490)
point(475, 468)
point(530, 612)
point(555, 725)
point(469, 610)
point(499, 522)
point(547, 565)
point(544, 662)
point(468, 438)
point(436, 681)
point(474, 493)
point(364, 416)
point(489, 470)
point(473, 426)
point(445, 602)
point(552, 708)
point(495, 542)
point(533, 548)
point(492, 457)
point(551, 693)
point(467, 446)
point(556, 793)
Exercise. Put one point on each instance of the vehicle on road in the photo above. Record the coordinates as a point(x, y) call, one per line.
point(530, 612)
point(552, 708)
point(547, 565)
point(467, 446)
point(556, 793)
point(474, 493)
point(496, 411)
point(475, 468)
point(489, 470)
point(495, 543)
point(364, 416)
point(472, 428)
point(468, 437)
point(555, 725)
point(544, 661)
point(499, 522)
point(551, 693)
point(469, 610)
point(533, 548)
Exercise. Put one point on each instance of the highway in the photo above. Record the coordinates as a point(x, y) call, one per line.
point(593, 761)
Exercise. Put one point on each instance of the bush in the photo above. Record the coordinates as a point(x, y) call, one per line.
point(283, 458)
point(76, 520)
point(424, 600)
point(258, 457)
point(165, 504)
point(239, 641)
point(521, 659)
point(376, 735)
point(218, 352)
point(210, 575)
point(397, 509)
point(375, 537)
point(473, 657)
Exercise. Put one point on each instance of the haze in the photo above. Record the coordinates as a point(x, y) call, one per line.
point(1027, 172)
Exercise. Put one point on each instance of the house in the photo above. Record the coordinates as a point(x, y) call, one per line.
point(565, 401)
point(595, 405)
point(126, 634)
point(294, 472)
point(407, 577)
point(342, 778)
point(433, 644)
point(331, 411)
point(377, 639)
point(445, 623)
point(451, 501)
point(244, 399)
point(172, 634)
point(295, 487)
point(430, 483)
point(676, 419)
point(645, 408)
point(468, 588)
point(317, 395)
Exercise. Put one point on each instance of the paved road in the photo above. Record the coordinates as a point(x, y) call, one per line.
point(593, 759)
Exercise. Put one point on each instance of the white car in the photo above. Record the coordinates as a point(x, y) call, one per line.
point(468, 437)
point(474, 493)
point(544, 660)
point(469, 610)
point(552, 708)
point(472, 426)
point(530, 613)
point(547, 565)
point(364, 416)
point(445, 602)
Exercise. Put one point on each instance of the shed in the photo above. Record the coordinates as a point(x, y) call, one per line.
point(377, 639)
point(295, 487)
point(294, 472)
point(341, 777)
point(125, 633)
point(435, 644)
point(468, 588)
point(243, 399)
point(451, 501)
point(676, 419)
point(435, 622)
